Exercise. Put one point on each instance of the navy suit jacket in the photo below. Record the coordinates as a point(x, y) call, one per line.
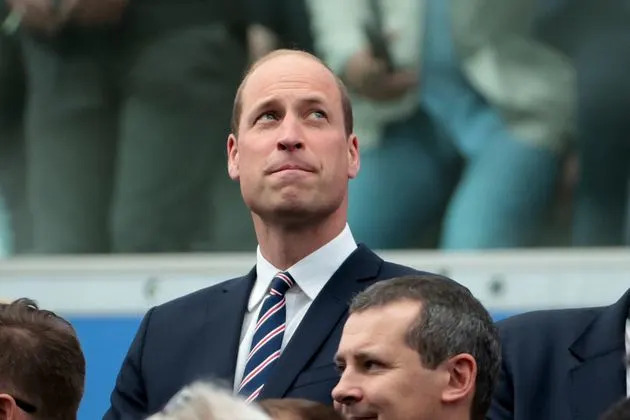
point(562, 364)
point(196, 337)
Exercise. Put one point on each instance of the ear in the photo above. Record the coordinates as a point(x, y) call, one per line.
point(354, 161)
point(462, 371)
point(232, 153)
point(8, 408)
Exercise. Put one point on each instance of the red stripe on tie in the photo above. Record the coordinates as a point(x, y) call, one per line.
point(265, 339)
point(254, 394)
point(275, 308)
point(272, 357)
point(286, 279)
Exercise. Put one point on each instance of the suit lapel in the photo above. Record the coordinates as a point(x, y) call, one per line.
point(224, 314)
point(322, 317)
point(598, 377)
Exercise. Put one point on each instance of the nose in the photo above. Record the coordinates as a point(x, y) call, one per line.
point(291, 136)
point(346, 392)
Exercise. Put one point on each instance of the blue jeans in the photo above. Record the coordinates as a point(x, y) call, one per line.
point(402, 186)
point(500, 198)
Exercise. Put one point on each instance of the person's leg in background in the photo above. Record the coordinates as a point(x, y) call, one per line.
point(403, 185)
point(14, 222)
point(602, 201)
point(174, 124)
point(71, 138)
point(506, 185)
point(503, 196)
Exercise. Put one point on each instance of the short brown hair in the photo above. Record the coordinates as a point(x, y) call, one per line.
point(299, 409)
point(346, 104)
point(41, 360)
point(451, 321)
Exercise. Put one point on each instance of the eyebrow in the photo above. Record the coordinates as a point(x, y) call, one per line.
point(311, 99)
point(361, 355)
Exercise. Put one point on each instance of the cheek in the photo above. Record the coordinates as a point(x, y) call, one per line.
point(398, 391)
point(337, 406)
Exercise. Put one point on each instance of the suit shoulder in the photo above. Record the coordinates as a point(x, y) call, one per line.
point(199, 297)
point(548, 319)
point(552, 326)
point(389, 269)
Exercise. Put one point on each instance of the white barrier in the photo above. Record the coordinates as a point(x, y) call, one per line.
point(503, 280)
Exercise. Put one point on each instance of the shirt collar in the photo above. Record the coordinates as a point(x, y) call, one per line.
point(310, 273)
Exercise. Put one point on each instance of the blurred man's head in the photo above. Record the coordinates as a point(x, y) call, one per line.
point(42, 368)
point(205, 401)
point(417, 348)
point(292, 147)
point(298, 409)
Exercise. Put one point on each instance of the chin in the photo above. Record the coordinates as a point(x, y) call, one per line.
point(293, 212)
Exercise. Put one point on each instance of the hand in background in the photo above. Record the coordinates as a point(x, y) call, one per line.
point(94, 12)
point(368, 76)
point(37, 15)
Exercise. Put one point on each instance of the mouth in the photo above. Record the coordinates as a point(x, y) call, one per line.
point(290, 167)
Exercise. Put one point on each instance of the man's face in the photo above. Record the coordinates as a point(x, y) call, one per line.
point(291, 153)
point(381, 376)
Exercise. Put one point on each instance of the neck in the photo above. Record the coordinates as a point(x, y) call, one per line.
point(283, 245)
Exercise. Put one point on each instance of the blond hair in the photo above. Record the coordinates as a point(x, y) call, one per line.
point(205, 401)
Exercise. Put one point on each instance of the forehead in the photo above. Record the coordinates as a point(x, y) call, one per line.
point(382, 326)
point(289, 75)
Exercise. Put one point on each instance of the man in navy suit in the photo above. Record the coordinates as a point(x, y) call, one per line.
point(293, 150)
point(563, 364)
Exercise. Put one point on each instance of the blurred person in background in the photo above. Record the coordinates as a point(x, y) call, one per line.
point(417, 348)
point(127, 105)
point(205, 401)
point(565, 364)
point(14, 223)
point(279, 24)
point(466, 79)
point(42, 368)
point(596, 36)
point(298, 409)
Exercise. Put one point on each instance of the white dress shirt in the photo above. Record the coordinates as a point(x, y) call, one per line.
point(628, 357)
point(310, 274)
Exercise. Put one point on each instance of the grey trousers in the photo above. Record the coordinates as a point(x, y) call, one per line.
point(15, 224)
point(126, 140)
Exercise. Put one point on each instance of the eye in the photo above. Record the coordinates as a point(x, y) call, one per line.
point(339, 367)
point(318, 114)
point(267, 116)
point(370, 365)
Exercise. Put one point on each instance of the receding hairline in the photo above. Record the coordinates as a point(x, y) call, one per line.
point(343, 92)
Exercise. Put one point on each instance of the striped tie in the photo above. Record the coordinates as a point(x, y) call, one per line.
point(267, 340)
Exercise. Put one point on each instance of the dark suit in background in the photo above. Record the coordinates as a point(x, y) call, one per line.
point(562, 364)
point(596, 35)
point(197, 337)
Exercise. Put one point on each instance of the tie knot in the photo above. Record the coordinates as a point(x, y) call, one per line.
point(281, 283)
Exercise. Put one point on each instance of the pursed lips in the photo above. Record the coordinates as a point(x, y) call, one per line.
point(290, 167)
